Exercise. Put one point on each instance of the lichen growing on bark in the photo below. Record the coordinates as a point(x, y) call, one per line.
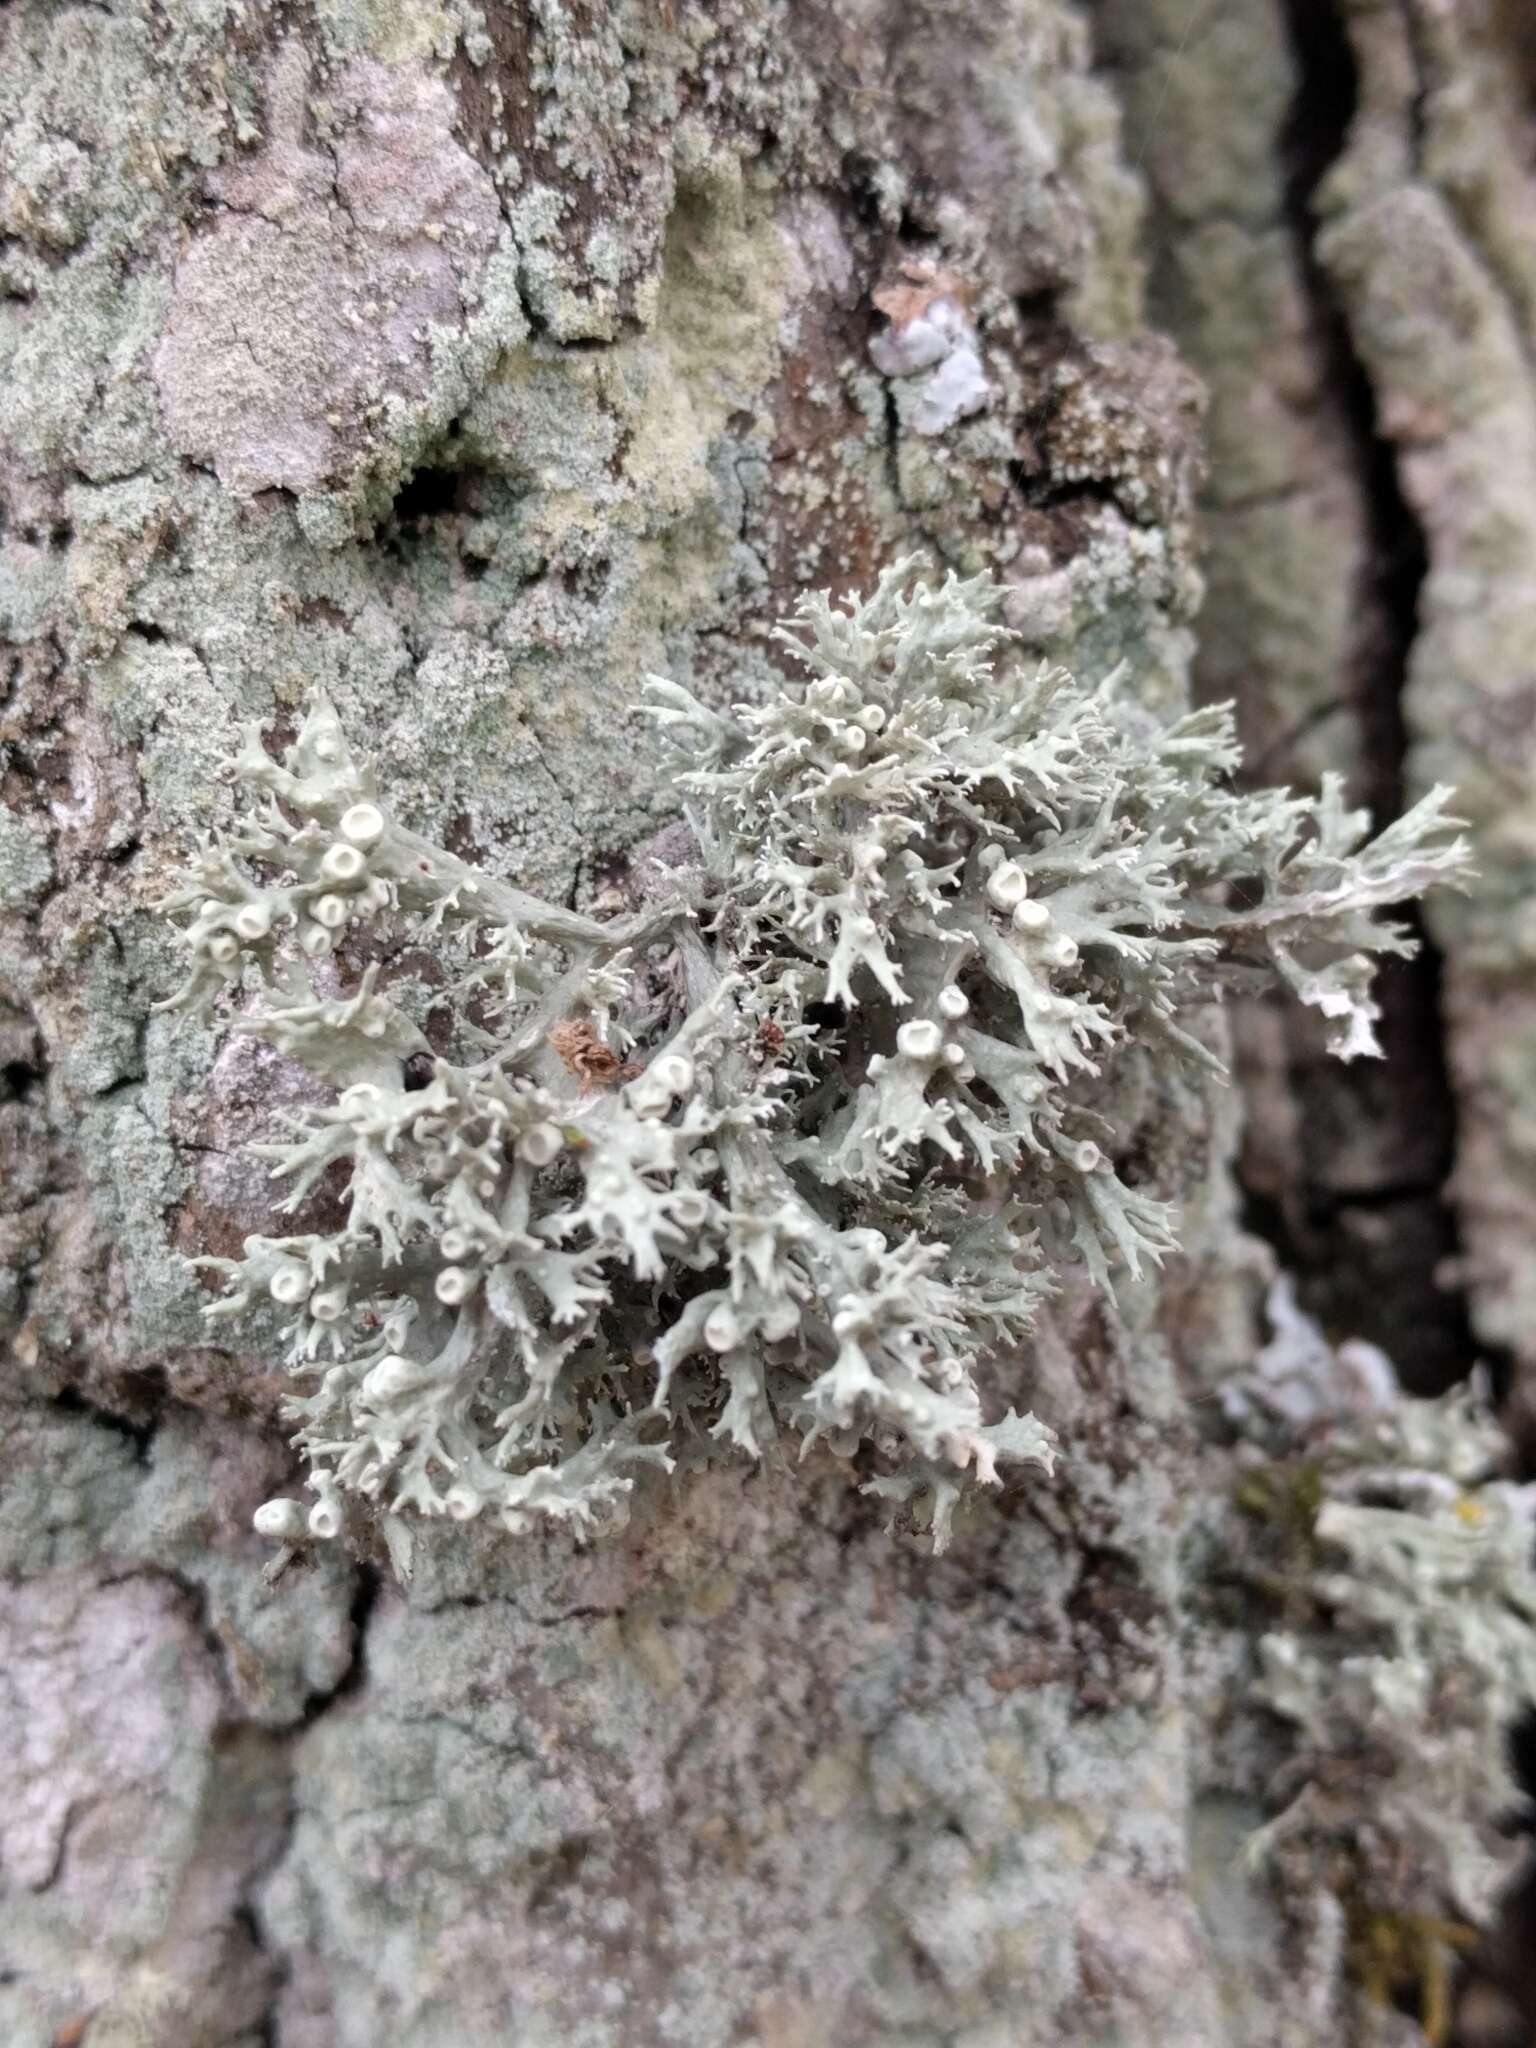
point(751, 1772)
point(1393, 1555)
point(798, 1146)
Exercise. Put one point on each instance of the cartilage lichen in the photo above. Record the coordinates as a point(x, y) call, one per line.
point(800, 1144)
point(1403, 1652)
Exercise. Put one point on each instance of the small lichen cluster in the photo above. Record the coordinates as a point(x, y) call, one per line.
point(1406, 1652)
point(796, 1146)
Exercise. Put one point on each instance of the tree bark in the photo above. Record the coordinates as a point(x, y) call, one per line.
point(469, 366)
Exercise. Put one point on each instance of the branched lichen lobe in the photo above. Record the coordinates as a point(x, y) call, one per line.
point(798, 1147)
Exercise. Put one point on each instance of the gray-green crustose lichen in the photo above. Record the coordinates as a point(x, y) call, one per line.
point(798, 1145)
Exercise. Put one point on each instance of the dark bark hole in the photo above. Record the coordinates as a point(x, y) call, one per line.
point(431, 493)
point(19, 1081)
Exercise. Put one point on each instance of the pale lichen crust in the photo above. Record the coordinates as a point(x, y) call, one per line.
point(795, 1147)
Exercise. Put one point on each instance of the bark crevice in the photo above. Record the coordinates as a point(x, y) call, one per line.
point(1369, 1230)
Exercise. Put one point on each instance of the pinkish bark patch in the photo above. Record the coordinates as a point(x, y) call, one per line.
point(310, 303)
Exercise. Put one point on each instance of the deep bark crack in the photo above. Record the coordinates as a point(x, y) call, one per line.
point(1405, 1114)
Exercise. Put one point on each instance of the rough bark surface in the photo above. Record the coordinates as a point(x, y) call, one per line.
point(1343, 203)
point(469, 365)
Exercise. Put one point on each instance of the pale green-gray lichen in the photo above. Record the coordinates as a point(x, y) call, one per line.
point(1404, 1651)
point(798, 1144)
